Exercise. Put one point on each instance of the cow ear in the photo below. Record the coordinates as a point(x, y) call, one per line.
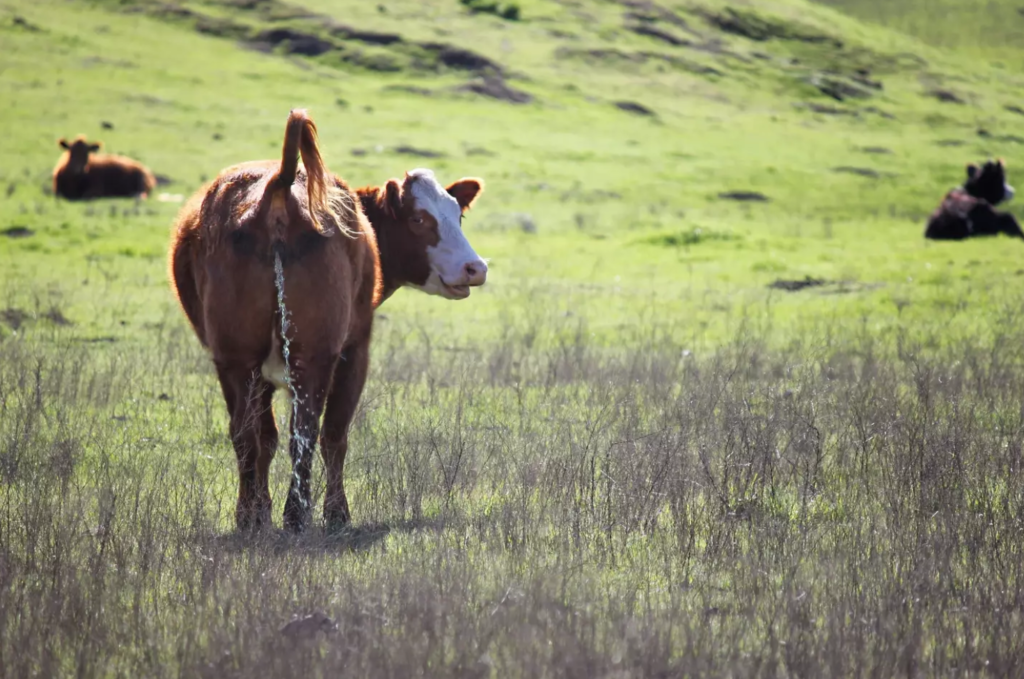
point(63, 143)
point(465, 191)
point(392, 197)
point(972, 171)
point(93, 148)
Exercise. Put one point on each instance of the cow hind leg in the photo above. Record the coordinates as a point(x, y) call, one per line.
point(346, 388)
point(310, 379)
point(254, 437)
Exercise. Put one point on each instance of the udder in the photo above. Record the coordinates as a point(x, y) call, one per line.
point(274, 368)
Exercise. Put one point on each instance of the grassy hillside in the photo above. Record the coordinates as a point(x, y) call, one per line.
point(989, 31)
point(720, 409)
point(621, 210)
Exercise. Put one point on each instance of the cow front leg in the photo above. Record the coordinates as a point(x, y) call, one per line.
point(346, 388)
point(1009, 225)
point(309, 382)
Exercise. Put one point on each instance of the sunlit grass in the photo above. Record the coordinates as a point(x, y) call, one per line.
point(628, 454)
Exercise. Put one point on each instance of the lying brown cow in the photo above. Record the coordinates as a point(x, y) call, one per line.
point(969, 210)
point(82, 174)
point(337, 266)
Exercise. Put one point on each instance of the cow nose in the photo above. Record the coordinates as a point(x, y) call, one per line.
point(475, 272)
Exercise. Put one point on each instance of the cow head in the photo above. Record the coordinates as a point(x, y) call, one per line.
point(427, 246)
point(988, 182)
point(78, 152)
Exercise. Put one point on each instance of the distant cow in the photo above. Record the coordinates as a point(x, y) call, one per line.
point(970, 210)
point(82, 174)
point(338, 264)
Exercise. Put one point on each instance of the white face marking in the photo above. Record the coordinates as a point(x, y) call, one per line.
point(448, 259)
point(1009, 192)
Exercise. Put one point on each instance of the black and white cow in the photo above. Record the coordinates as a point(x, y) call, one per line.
point(969, 210)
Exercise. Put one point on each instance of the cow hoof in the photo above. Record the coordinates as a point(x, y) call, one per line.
point(337, 522)
point(252, 522)
point(296, 520)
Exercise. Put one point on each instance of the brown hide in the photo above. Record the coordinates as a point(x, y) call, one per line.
point(222, 264)
point(82, 174)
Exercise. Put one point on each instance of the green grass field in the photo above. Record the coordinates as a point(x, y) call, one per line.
point(628, 454)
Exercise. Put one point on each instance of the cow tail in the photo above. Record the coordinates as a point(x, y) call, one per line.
point(300, 139)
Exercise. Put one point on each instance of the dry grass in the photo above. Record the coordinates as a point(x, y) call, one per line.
point(843, 507)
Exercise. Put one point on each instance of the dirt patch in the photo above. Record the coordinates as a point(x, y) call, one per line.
point(1014, 109)
point(837, 88)
point(293, 42)
point(635, 108)
point(753, 26)
point(648, 11)
point(497, 88)
point(646, 22)
point(405, 150)
point(797, 285)
point(17, 231)
point(309, 34)
point(55, 316)
point(879, 112)
point(162, 179)
point(23, 24)
point(13, 317)
point(462, 59)
point(827, 110)
point(744, 196)
point(658, 34)
point(862, 172)
point(503, 10)
point(247, 4)
point(879, 150)
point(946, 96)
point(950, 142)
point(862, 77)
point(368, 37)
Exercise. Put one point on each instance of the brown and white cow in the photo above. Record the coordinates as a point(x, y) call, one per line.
point(418, 216)
point(82, 174)
point(341, 254)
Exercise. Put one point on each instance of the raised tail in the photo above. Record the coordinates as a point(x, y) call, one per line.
point(300, 139)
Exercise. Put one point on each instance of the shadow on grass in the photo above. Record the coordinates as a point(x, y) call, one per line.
point(352, 538)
